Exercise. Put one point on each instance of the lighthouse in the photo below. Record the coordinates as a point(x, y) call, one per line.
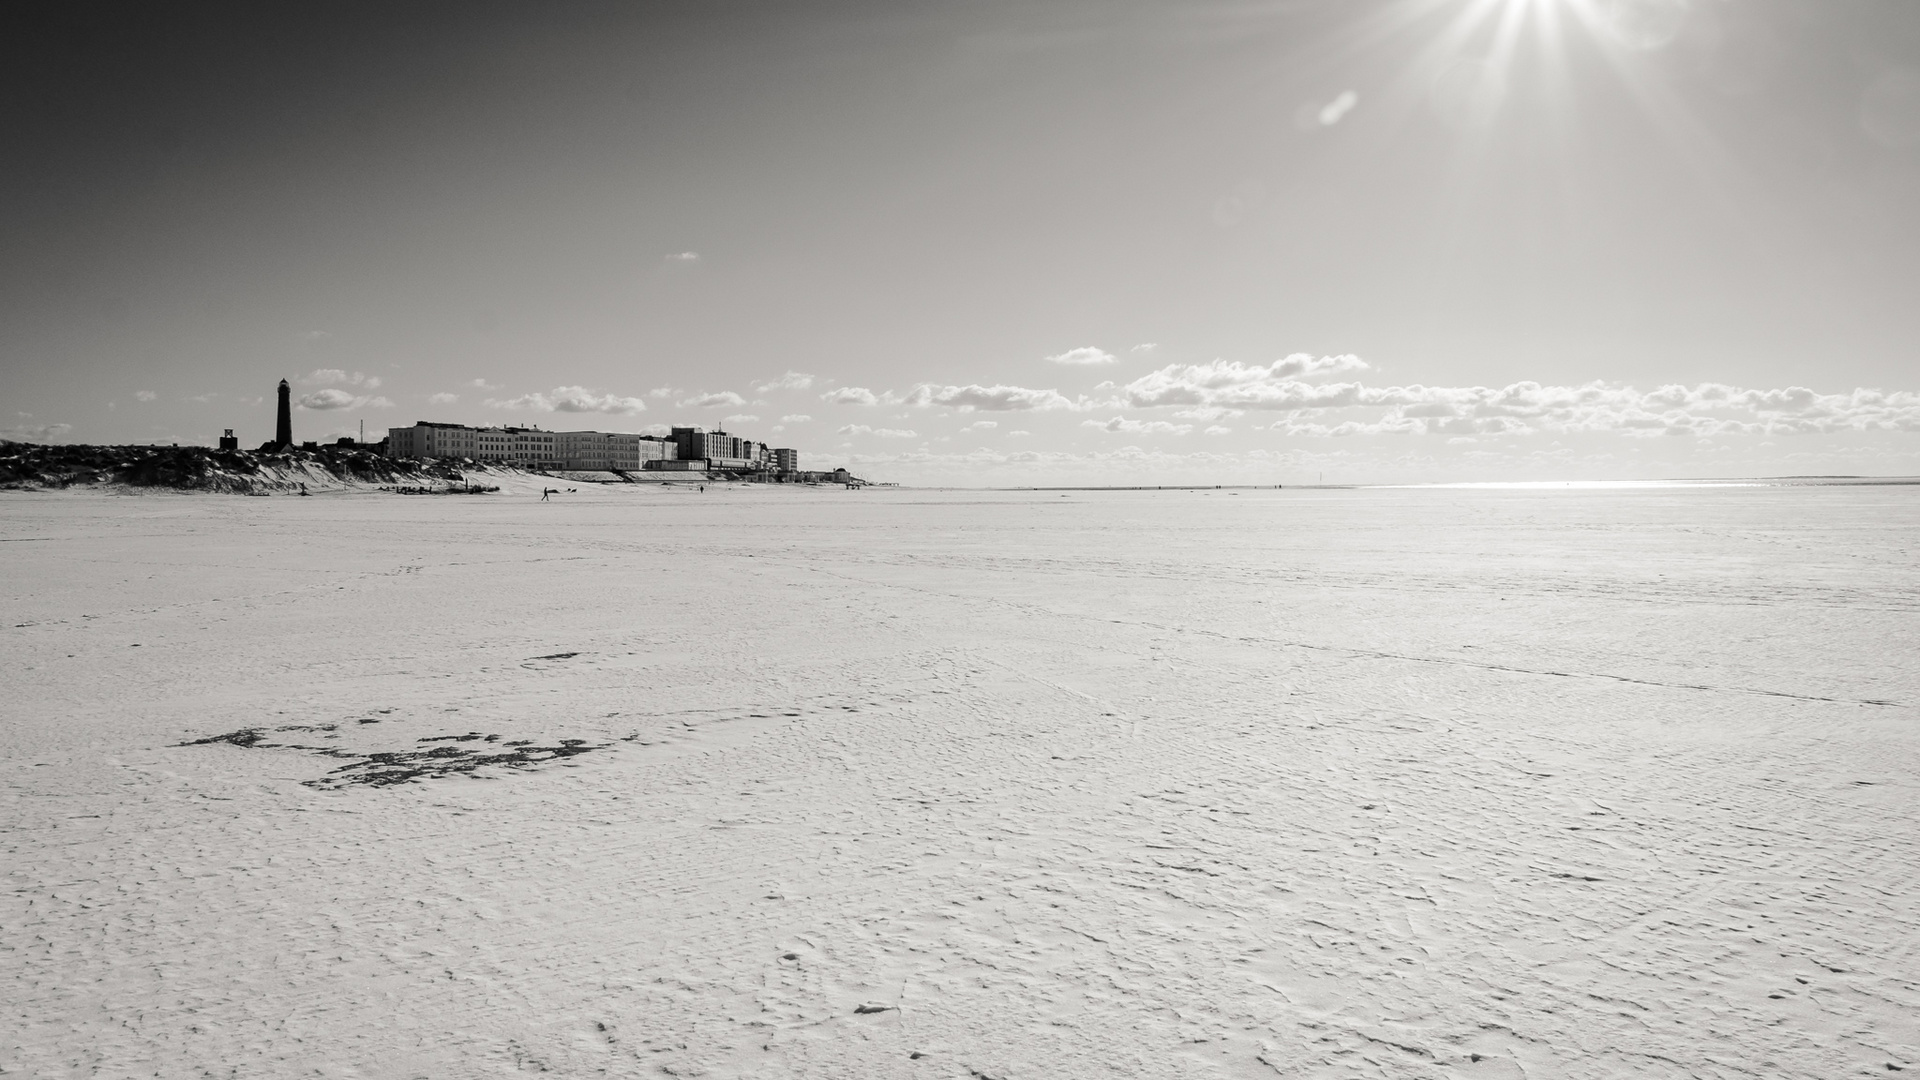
point(283, 428)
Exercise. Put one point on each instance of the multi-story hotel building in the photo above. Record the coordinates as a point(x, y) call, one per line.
point(529, 447)
point(425, 440)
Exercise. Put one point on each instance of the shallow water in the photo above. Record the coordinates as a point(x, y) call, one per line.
point(1344, 783)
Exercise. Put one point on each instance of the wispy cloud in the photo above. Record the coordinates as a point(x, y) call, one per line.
point(792, 380)
point(1326, 114)
point(851, 395)
point(332, 399)
point(884, 433)
point(1124, 426)
point(482, 384)
point(572, 399)
point(682, 257)
point(1085, 355)
point(443, 399)
point(338, 377)
point(1707, 409)
point(35, 433)
point(1231, 384)
point(741, 418)
point(1208, 413)
point(145, 395)
point(720, 399)
point(996, 398)
point(795, 418)
point(981, 425)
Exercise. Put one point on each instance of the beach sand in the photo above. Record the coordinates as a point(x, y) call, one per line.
point(894, 783)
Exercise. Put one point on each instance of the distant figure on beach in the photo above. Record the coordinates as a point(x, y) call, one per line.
point(544, 492)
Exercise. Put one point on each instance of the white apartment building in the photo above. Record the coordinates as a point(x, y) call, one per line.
point(425, 440)
point(534, 449)
point(492, 444)
point(603, 450)
point(531, 448)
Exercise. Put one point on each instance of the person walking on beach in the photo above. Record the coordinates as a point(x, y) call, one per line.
point(544, 492)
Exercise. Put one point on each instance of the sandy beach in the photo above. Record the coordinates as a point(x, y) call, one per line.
point(897, 783)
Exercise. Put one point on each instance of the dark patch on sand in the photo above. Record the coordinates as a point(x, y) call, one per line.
point(407, 766)
point(431, 762)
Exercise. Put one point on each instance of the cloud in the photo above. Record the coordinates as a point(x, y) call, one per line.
point(145, 395)
point(1231, 384)
point(726, 399)
point(1218, 430)
point(795, 418)
point(572, 399)
point(1338, 107)
point(34, 433)
point(884, 433)
point(330, 400)
point(662, 392)
point(792, 380)
point(980, 425)
point(316, 335)
point(1524, 408)
point(1145, 346)
point(851, 395)
point(1124, 426)
point(741, 418)
point(482, 384)
point(337, 377)
point(996, 398)
point(443, 399)
point(682, 257)
point(1085, 355)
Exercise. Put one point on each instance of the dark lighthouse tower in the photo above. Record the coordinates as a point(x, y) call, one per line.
point(283, 428)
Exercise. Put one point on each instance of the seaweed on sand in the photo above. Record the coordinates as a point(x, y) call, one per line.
point(407, 766)
point(387, 768)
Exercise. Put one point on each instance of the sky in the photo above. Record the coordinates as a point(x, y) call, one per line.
point(1043, 242)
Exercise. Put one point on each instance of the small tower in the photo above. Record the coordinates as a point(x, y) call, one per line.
point(283, 428)
point(228, 442)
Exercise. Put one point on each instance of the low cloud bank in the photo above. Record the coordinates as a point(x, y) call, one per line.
point(1524, 408)
point(792, 380)
point(35, 433)
point(338, 377)
point(331, 399)
point(1123, 426)
point(1231, 384)
point(723, 399)
point(572, 399)
point(1084, 355)
point(997, 398)
point(884, 433)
